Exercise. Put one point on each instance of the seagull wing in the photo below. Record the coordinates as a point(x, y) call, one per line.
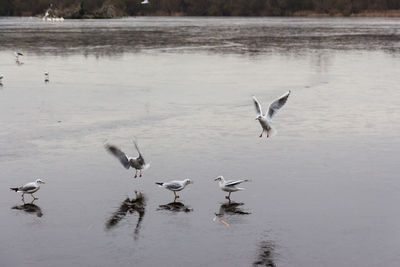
point(258, 106)
point(174, 185)
point(28, 187)
point(119, 154)
point(140, 158)
point(277, 104)
point(231, 183)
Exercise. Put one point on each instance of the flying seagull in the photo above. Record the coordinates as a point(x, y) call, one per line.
point(229, 186)
point(266, 119)
point(138, 163)
point(175, 185)
point(29, 188)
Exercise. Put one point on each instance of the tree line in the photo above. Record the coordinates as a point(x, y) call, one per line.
point(116, 8)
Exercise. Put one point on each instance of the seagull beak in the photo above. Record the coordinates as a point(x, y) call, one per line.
point(191, 182)
point(216, 179)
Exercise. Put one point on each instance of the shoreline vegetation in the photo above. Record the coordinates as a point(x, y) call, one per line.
point(99, 9)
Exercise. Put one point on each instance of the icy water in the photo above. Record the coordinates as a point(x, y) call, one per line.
point(323, 192)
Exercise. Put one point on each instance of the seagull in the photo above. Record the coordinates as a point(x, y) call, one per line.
point(266, 119)
point(46, 76)
point(17, 54)
point(175, 185)
point(29, 188)
point(138, 163)
point(145, 2)
point(229, 186)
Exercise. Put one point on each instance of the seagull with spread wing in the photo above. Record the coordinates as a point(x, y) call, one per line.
point(266, 119)
point(129, 162)
point(28, 188)
point(230, 185)
point(175, 186)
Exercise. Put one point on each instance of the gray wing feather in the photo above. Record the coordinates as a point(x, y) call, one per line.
point(230, 183)
point(140, 158)
point(27, 187)
point(172, 186)
point(277, 104)
point(119, 154)
point(257, 105)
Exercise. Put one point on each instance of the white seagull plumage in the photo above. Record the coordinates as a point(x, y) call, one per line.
point(230, 185)
point(176, 185)
point(28, 188)
point(145, 2)
point(135, 162)
point(266, 119)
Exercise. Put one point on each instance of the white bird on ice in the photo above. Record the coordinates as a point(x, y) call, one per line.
point(176, 185)
point(135, 162)
point(266, 119)
point(28, 188)
point(230, 185)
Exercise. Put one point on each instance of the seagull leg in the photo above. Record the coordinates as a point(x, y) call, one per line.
point(135, 174)
point(23, 196)
point(140, 175)
point(228, 196)
point(267, 133)
point(34, 198)
point(261, 133)
point(176, 196)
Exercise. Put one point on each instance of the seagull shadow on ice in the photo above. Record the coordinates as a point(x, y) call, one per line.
point(29, 208)
point(129, 206)
point(175, 206)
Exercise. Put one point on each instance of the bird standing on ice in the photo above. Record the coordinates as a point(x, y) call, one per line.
point(266, 119)
point(176, 185)
point(138, 163)
point(229, 186)
point(28, 188)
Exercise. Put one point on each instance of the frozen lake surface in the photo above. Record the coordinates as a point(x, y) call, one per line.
point(323, 192)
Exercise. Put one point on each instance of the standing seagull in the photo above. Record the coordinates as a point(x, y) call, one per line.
point(176, 185)
point(29, 188)
point(266, 119)
point(229, 186)
point(17, 54)
point(138, 163)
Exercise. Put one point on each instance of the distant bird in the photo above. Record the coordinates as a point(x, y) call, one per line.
point(229, 186)
point(46, 76)
point(17, 54)
point(28, 188)
point(138, 163)
point(266, 119)
point(176, 185)
point(145, 2)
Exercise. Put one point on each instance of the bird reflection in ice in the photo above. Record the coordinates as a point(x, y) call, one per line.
point(175, 206)
point(227, 209)
point(29, 208)
point(136, 204)
point(265, 254)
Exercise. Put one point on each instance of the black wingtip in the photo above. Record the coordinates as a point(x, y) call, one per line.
point(14, 189)
point(160, 183)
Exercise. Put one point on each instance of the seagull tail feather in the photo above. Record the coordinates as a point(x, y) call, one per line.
point(160, 184)
point(14, 189)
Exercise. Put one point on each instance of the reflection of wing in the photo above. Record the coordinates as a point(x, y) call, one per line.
point(257, 105)
point(172, 185)
point(277, 104)
point(231, 183)
point(119, 154)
